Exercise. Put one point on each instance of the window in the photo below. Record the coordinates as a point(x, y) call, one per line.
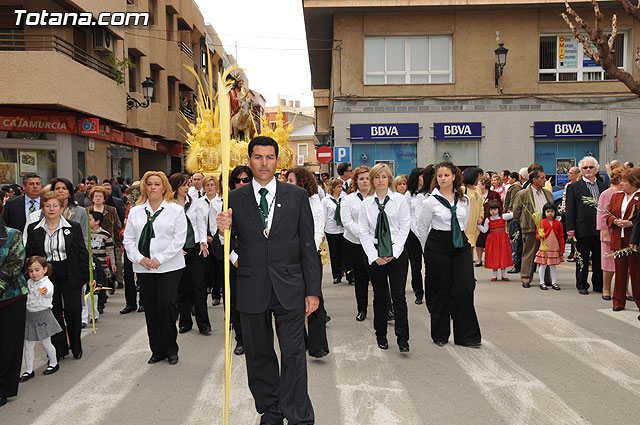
point(562, 58)
point(407, 60)
point(303, 149)
point(155, 76)
point(171, 84)
point(133, 73)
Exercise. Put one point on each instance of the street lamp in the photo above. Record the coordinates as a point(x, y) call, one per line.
point(147, 92)
point(501, 61)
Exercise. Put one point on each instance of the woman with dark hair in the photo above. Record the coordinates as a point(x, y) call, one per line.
point(240, 176)
point(70, 208)
point(211, 200)
point(415, 197)
point(448, 258)
point(488, 195)
point(191, 290)
point(470, 178)
point(333, 227)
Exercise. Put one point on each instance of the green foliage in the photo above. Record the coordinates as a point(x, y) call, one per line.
point(120, 66)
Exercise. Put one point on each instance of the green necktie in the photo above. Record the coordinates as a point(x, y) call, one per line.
point(360, 196)
point(147, 233)
point(336, 214)
point(32, 205)
point(191, 239)
point(264, 206)
point(458, 241)
point(383, 231)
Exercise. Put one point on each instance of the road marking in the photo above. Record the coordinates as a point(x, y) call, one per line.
point(585, 347)
point(367, 396)
point(85, 402)
point(42, 361)
point(628, 316)
point(519, 397)
point(209, 404)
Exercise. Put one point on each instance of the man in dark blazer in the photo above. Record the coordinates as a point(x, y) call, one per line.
point(278, 274)
point(581, 223)
point(18, 208)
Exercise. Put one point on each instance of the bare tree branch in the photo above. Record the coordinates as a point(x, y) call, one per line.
point(631, 9)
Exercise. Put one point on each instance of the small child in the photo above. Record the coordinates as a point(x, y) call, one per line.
point(102, 248)
point(40, 324)
point(498, 246)
point(551, 236)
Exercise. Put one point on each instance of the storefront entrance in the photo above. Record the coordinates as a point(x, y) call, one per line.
point(401, 157)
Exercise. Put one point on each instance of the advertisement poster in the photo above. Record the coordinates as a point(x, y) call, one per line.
point(567, 52)
point(564, 164)
point(28, 162)
point(7, 173)
point(390, 164)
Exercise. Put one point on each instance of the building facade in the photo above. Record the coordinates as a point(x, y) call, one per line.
point(413, 83)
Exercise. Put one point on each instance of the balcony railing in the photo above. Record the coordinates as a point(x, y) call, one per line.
point(186, 49)
point(15, 41)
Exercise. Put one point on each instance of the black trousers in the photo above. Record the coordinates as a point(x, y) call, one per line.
point(361, 277)
point(589, 249)
point(347, 262)
point(215, 276)
point(160, 310)
point(393, 275)
point(12, 318)
point(192, 290)
point(453, 284)
point(278, 390)
point(235, 314)
point(413, 248)
point(317, 327)
point(516, 247)
point(67, 309)
point(130, 291)
point(336, 253)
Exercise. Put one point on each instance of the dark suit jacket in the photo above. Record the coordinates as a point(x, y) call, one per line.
point(13, 215)
point(579, 217)
point(77, 255)
point(635, 233)
point(630, 213)
point(287, 261)
point(118, 205)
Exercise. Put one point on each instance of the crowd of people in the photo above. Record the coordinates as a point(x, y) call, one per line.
point(161, 239)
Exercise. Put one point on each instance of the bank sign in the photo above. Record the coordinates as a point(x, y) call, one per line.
point(457, 131)
point(568, 129)
point(383, 132)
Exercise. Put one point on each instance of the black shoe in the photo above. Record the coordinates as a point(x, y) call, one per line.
point(472, 345)
point(112, 291)
point(403, 346)
point(571, 260)
point(206, 330)
point(84, 325)
point(629, 298)
point(514, 270)
point(478, 264)
point(51, 369)
point(3, 401)
point(441, 343)
point(173, 359)
point(327, 318)
point(155, 359)
point(638, 317)
point(555, 286)
point(184, 329)
point(583, 291)
point(361, 316)
point(319, 354)
point(100, 310)
point(616, 308)
point(606, 297)
point(383, 345)
point(127, 309)
point(239, 350)
point(120, 285)
point(78, 355)
point(215, 302)
point(390, 315)
point(526, 285)
point(336, 280)
point(141, 309)
point(419, 300)
point(26, 376)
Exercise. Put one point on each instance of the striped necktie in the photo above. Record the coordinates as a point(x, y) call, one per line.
point(32, 205)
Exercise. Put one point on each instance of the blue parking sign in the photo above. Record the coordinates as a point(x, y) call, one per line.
point(342, 154)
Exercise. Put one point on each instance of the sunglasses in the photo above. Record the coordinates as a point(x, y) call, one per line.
point(588, 167)
point(243, 180)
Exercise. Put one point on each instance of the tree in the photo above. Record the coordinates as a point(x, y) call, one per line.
point(598, 45)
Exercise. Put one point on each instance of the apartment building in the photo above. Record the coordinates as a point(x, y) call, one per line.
point(411, 83)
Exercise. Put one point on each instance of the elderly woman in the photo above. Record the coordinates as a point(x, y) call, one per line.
point(111, 222)
point(61, 243)
point(13, 307)
point(608, 263)
point(70, 208)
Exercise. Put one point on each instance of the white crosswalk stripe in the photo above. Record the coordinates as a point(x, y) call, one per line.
point(585, 346)
point(627, 316)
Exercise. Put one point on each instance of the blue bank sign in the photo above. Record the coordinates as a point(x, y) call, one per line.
point(457, 131)
point(381, 132)
point(567, 129)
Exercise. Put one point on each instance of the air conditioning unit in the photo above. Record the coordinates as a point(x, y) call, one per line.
point(102, 41)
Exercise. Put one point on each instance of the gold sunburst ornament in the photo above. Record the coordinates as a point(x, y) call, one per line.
point(281, 135)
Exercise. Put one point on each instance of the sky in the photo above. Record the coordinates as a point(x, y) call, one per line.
point(271, 44)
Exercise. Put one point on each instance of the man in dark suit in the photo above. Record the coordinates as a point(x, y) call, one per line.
point(581, 223)
point(83, 198)
point(278, 274)
point(18, 208)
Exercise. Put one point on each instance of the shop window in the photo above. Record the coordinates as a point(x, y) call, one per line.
point(14, 163)
point(303, 149)
point(121, 162)
point(26, 135)
point(562, 58)
point(408, 60)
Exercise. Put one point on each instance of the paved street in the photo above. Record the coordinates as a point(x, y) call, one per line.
point(548, 357)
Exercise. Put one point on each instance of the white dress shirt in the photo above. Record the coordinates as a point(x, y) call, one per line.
point(27, 205)
point(54, 244)
point(434, 215)
point(170, 229)
point(329, 207)
point(399, 215)
point(625, 202)
point(195, 193)
point(349, 214)
point(415, 204)
point(197, 214)
point(206, 205)
point(271, 193)
point(318, 219)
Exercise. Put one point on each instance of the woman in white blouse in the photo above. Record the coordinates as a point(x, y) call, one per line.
point(415, 196)
point(384, 223)
point(153, 239)
point(192, 290)
point(211, 203)
point(449, 259)
point(349, 213)
point(333, 226)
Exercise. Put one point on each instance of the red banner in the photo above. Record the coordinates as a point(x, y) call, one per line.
point(13, 119)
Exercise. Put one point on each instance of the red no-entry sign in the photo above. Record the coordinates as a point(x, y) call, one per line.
point(324, 154)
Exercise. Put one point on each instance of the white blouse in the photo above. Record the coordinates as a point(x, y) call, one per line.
point(349, 213)
point(434, 215)
point(318, 219)
point(415, 204)
point(197, 214)
point(55, 248)
point(170, 229)
point(329, 207)
point(399, 216)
